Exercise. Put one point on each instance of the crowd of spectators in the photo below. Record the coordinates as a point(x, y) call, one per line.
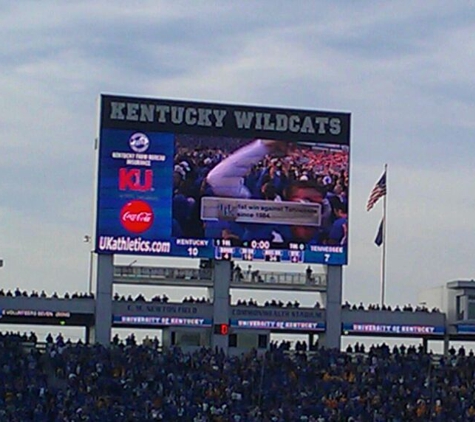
point(251, 302)
point(141, 298)
point(138, 298)
point(159, 299)
point(373, 307)
point(23, 293)
point(272, 303)
point(192, 299)
point(361, 307)
point(129, 382)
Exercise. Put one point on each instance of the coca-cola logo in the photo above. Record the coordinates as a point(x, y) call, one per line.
point(136, 216)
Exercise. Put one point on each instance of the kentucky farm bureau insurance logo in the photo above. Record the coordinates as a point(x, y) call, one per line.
point(139, 142)
point(136, 216)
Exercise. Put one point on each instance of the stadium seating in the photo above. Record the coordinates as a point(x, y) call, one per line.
point(129, 382)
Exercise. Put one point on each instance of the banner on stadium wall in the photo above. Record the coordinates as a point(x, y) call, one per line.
point(393, 329)
point(465, 329)
point(159, 321)
point(193, 179)
point(287, 326)
point(44, 316)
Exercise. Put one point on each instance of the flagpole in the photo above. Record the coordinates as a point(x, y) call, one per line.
point(383, 253)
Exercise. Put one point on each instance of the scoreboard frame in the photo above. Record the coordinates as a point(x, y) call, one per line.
point(138, 160)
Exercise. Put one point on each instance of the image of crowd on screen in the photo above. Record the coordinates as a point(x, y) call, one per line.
point(265, 170)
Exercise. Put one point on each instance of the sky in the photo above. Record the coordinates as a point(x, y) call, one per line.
point(402, 69)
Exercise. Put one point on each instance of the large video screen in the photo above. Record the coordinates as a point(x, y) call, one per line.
point(189, 179)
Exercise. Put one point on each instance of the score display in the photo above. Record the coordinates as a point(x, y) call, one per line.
point(221, 329)
point(219, 181)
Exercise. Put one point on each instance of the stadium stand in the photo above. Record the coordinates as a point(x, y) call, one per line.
point(130, 382)
point(190, 299)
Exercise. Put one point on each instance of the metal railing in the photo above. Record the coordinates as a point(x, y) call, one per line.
point(270, 277)
point(163, 273)
point(206, 275)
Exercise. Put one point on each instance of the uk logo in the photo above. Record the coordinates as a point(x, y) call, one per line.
point(136, 180)
point(227, 211)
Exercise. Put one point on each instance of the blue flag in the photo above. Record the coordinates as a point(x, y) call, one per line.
point(379, 235)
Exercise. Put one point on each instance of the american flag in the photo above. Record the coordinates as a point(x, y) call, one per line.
point(378, 192)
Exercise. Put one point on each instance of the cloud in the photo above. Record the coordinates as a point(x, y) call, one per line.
point(402, 70)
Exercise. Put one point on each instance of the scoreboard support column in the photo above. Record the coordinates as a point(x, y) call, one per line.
point(221, 301)
point(103, 313)
point(333, 307)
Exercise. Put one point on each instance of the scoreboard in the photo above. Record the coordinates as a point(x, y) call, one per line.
point(295, 254)
point(222, 249)
point(206, 180)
